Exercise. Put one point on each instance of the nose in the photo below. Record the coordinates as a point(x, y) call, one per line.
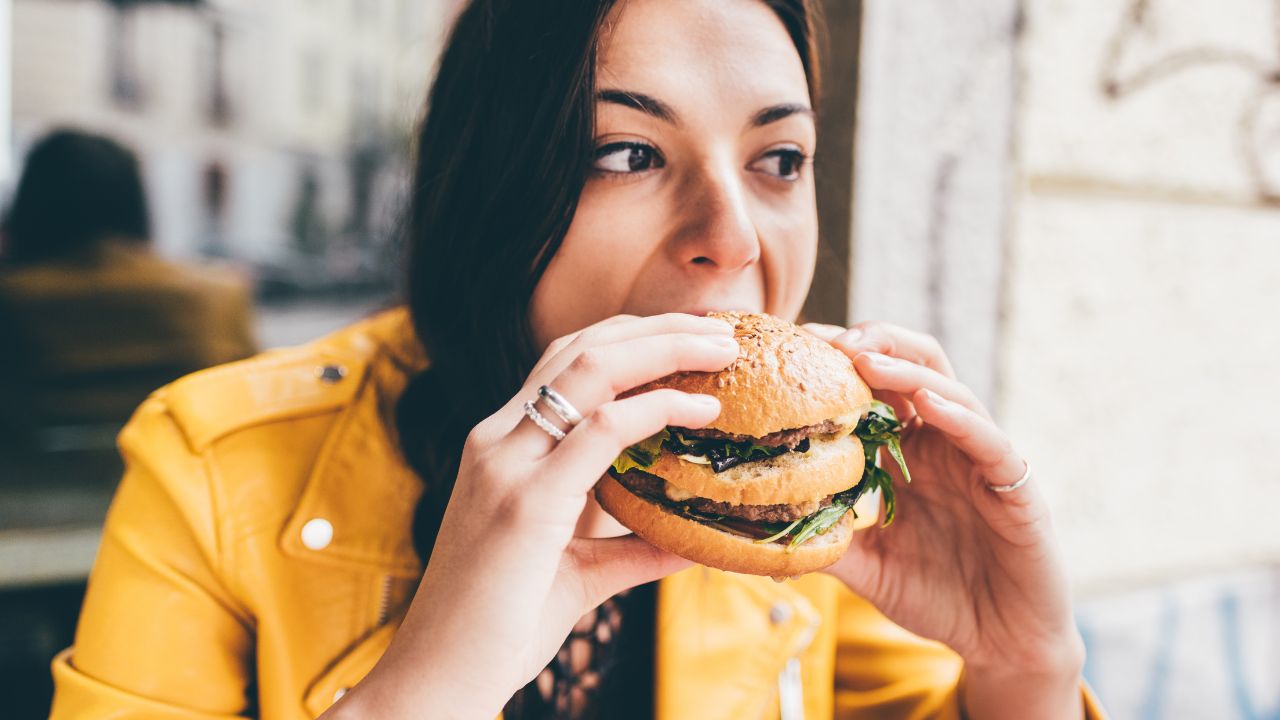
point(716, 230)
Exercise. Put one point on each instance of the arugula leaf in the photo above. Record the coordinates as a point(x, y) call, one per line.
point(642, 455)
point(880, 428)
point(781, 533)
point(819, 522)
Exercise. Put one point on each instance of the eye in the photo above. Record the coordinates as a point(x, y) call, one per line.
point(783, 163)
point(627, 158)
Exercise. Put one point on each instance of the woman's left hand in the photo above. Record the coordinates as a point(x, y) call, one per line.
point(974, 569)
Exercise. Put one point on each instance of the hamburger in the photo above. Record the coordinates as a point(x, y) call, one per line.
point(770, 487)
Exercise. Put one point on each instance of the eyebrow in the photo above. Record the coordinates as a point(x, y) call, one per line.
point(777, 112)
point(646, 104)
point(654, 107)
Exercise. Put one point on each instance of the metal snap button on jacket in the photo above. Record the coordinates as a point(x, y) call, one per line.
point(779, 613)
point(317, 534)
point(330, 374)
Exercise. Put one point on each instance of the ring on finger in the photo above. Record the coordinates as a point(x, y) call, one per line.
point(542, 422)
point(1013, 485)
point(560, 406)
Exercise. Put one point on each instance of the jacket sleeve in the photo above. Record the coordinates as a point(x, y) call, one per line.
point(159, 634)
point(883, 671)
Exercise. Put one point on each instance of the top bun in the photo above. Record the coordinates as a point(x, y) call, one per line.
point(784, 378)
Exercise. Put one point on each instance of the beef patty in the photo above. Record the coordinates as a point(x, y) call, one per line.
point(652, 486)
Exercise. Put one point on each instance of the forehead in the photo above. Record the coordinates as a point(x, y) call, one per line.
point(726, 50)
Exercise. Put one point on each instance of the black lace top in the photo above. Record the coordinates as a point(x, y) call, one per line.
point(604, 669)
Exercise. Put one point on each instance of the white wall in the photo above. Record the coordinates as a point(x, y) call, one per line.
point(1142, 338)
point(932, 173)
point(1102, 266)
point(1137, 325)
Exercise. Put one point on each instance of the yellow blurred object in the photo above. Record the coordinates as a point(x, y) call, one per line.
point(88, 336)
point(258, 558)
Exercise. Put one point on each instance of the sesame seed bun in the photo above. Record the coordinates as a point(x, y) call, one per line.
point(784, 378)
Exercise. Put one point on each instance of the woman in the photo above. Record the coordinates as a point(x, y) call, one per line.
point(592, 176)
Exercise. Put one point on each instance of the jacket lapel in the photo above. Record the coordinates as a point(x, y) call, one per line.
point(360, 483)
point(722, 641)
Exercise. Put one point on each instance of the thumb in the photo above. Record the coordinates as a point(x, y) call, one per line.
point(607, 566)
point(824, 331)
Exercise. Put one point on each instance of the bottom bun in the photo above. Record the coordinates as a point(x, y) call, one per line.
point(718, 549)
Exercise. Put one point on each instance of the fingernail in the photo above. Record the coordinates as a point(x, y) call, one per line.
point(850, 336)
point(725, 343)
point(879, 360)
point(705, 400)
point(720, 326)
point(826, 332)
point(935, 398)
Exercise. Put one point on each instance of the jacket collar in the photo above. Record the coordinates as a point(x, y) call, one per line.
point(360, 483)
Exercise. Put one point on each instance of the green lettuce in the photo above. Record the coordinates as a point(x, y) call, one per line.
point(642, 455)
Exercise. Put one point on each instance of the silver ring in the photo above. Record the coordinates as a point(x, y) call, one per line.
point(542, 422)
point(1014, 486)
point(561, 407)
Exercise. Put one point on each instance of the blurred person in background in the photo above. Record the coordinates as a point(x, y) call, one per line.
point(91, 320)
point(350, 529)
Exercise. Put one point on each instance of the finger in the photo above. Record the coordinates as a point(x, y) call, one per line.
point(607, 566)
point(561, 343)
point(895, 341)
point(587, 451)
point(883, 372)
point(900, 403)
point(598, 374)
point(991, 451)
point(563, 350)
point(824, 331)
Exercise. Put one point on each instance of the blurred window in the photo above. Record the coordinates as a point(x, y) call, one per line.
point(122, 57)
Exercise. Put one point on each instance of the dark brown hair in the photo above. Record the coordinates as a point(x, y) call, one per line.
point(76, 190)
point(503, 154)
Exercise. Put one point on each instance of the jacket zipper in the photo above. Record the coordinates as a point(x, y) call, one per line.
point(790, 683)
point(384, 602)
point(791, 691)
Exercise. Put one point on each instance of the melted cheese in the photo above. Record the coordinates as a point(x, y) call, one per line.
point(677, 494)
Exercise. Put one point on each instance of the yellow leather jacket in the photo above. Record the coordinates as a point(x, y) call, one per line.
point(257, 558)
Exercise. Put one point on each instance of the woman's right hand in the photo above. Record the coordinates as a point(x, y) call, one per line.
point(507, 580)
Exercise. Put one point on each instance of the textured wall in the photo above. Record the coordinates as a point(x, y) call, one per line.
point(1142, 337)
point(1081, 198)
point(932, 173)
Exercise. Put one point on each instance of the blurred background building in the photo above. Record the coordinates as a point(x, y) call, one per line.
point(274, 140)
point(273, 134)
point(1078, 197)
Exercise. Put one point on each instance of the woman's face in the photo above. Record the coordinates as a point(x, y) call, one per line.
point(702, 197)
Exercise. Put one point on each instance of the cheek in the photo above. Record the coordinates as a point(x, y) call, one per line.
point(790, 251)
point(602, 257)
